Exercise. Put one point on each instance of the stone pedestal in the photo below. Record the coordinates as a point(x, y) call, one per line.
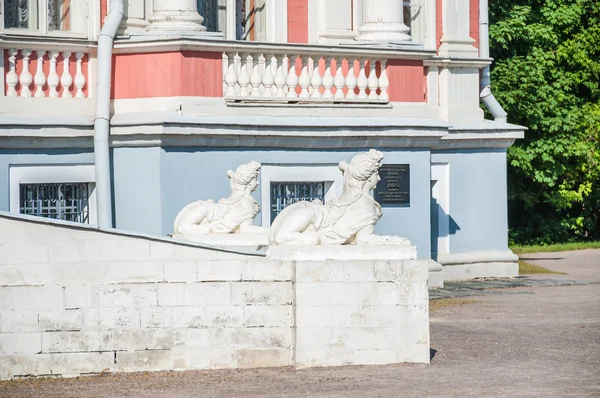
point(384, 22)
point(254, 240)
point(358, 304)
point(456, 41)
point(175, 15)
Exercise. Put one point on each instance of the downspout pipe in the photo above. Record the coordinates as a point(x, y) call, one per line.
point(485, 93)
point(102, 117)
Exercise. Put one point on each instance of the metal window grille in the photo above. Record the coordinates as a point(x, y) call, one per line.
point(284, 194)
point(64, 201)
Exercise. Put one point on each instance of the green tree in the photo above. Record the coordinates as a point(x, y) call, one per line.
point(546, 75)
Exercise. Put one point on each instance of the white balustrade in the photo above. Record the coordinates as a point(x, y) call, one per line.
point(255, 76)
point(38, 74)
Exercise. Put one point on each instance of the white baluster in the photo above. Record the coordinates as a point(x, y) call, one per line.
point(11, 77)
point(373, 80)
point(316, 80)
point(244, 76)
point(225, 69)
point(231, 76)
point(268, 79)
point(53, 78)
point(339, 81)
point(362, 81)
point(304, 79)
point(384, 83)
point(256, 76)
point(280, 78)
point(351, 80)
point(66, 80)
point(292, 78)
point(26, 78)
point(327, 79)
point(79, 77)
point(40, 77)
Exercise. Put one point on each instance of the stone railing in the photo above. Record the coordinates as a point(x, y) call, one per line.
point(304, 77)
point(44, 73)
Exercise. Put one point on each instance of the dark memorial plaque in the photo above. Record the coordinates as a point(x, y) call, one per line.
point(394, 187)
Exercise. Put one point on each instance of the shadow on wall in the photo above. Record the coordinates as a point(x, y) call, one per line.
point(442, 226)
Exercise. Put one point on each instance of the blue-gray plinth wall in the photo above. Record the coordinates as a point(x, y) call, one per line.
point(151, 185)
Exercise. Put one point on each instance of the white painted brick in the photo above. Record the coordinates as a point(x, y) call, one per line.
point(334, 293)
point(353, 338)
point(124, 272)
point(263, 269)
point(208, 293)
point(262, 358)
point(267, 315)
point(183, 252)
point(78, 297)
point(56, 342)
point(18, 321)
point(185, 358)
point(158, 317)
point(20, 343)
point(101, 250)
point(161, 250)
point(170, 294)
point(134, 249)
point(180, 271)
point(252, 337)
point(197, 338)
point(388, 271)
point(139, 361)
point(188, 317)
point(25, 274)
point(27, 252)
point(341, 356)
point(227, 316)
point(12, 231)
point(383, 293)
point(334, 271)
point(72, 363)
point(266, 293)
point(60, 320)
point(349, 316)
point(220, 270)
point(143, 339)
point(83, 273)
point(111, 318)
point(70, 251)
point(142, 295)
point(32, 298)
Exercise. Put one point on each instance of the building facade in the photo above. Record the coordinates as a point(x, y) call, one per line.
point(200, 87)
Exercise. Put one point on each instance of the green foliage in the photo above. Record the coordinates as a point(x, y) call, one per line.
point(547, 77)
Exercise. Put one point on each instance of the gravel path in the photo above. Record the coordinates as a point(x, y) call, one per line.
point(544, 342)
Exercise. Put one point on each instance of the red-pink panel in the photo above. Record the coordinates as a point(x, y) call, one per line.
point(407, 81)
point(474, 21)
point(438, 22)
point(298, 21)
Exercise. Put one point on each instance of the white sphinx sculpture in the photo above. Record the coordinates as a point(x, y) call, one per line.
point(230, 216)
point(350, 219)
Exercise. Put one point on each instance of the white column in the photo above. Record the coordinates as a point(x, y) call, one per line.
point(134, 20)
point(175, 15)
point(383, 22)
point(455, 40)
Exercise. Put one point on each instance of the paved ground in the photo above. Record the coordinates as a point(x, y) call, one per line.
point(541, 342)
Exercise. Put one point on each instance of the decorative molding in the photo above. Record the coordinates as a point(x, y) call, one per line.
point(477, 257)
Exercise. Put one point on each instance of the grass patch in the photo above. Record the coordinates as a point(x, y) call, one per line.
point(438, 304)
point(520, 249)
point(526, 268)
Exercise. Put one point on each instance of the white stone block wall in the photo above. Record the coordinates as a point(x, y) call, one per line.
point(75, 300)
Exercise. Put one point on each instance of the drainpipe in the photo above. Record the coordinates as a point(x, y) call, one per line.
point(485, 94)
point(102, 118)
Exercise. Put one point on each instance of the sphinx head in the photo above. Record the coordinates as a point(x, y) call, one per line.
point(245, 178)
point(363, 171)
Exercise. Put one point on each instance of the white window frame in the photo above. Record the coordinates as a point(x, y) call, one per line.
point(440, 172)
point(89, 15)
point(330, 175)
point(51, 174)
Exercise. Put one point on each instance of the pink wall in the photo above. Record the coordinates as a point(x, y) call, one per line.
point(474, 21)
point(46, 69)
point(407, 81)
point(103, 10)
point(297, 21)
point(185, 73)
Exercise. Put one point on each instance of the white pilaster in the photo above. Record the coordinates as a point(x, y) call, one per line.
point(383, 22)
point(456, 41)
point(135, 19)
point(175, 15)
point(330, 22)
